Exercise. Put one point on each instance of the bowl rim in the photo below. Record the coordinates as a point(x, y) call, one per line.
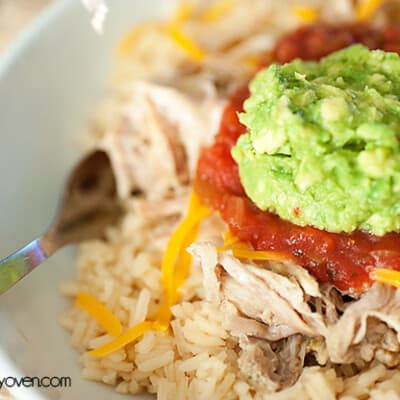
point(30, 33)
point(10, 56)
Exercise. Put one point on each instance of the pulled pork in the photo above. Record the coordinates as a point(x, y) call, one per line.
point(285, 320)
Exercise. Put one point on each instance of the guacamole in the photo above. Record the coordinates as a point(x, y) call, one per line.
point(322, 143)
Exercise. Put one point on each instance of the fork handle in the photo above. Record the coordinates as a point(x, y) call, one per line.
point(17, 265)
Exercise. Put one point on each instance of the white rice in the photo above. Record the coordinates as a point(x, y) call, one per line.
point(197, 359)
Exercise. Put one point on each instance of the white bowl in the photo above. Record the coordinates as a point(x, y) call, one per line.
point(49, 80)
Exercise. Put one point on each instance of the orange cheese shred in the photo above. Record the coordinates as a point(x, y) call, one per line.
point(172, 29)
point(229, 239)
point(232, 242)
point(236, 246)
point(242, 250)
point(163, 317)
point(128, 41)
point(217, 11)
point(126, 44)
point(183, 12)
point(365, 9)
point(307, 15)
point(386, 276)
point(127, 337)
point(251, 61)
point(196, 213)
point(259, 255)
point(99, 312)
point(185, 259)
point(175, 269)
point(185, 43)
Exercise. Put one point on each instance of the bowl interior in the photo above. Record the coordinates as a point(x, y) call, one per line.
point(49, 81)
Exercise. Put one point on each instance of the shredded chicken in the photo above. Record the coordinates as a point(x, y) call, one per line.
point(159, 209)
point(380, 303)
point(154, 148)
point(272, 365)
point(270, 306)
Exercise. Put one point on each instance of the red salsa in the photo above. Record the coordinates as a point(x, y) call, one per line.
point(341, 259)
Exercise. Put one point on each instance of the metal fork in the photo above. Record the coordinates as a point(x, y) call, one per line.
point(89, 205)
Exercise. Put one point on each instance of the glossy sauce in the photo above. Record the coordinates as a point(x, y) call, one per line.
point(341, 259)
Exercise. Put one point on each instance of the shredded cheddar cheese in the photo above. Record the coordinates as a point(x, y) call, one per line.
point(99, 312)
point(259, 255)
point(175, 269)
point(251, 61)
point(185, 43)
point(242, 250)
point(387, 276)
point(183, 12)
point(196, 213)
point(217, 10)
point(127, 337)
point(229, 238)
point(239, 245)
point(308, 15)
point(232, 242)
point(173, 29)
point(365, 9)
point(185, 259)
point(128, 41)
